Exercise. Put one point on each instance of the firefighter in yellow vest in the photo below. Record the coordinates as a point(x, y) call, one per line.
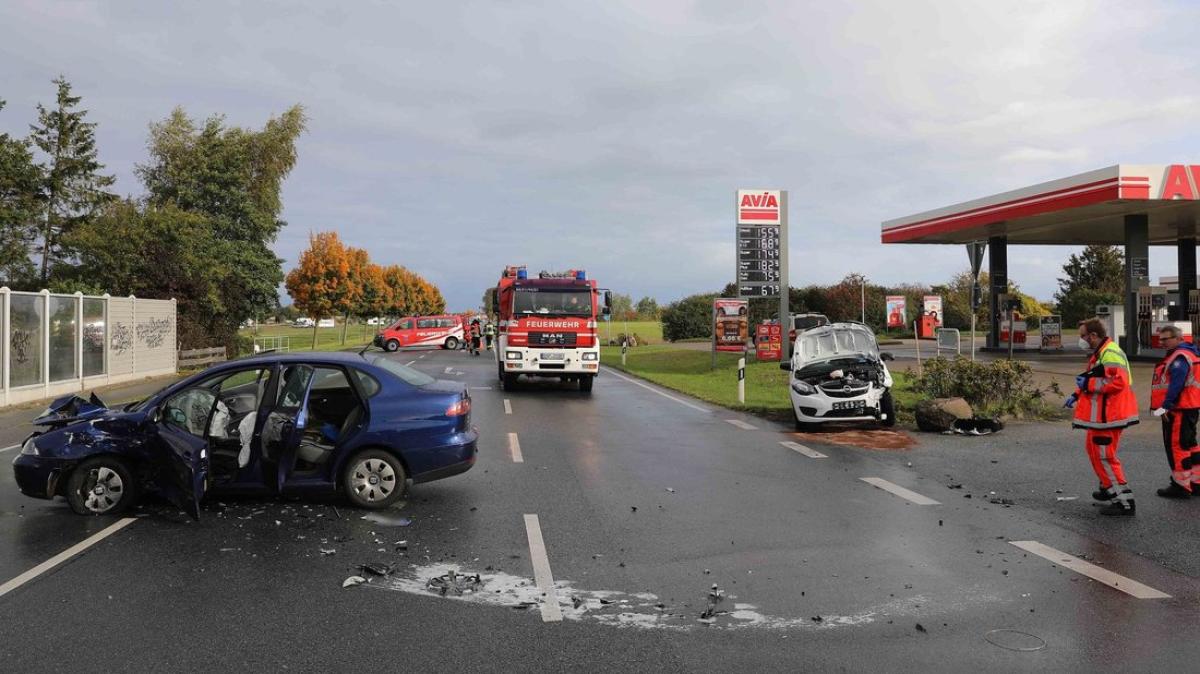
point(1105, 406)
point(1175, 396)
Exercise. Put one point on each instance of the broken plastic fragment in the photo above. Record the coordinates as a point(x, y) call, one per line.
point(353, 580)
point(456, 583)
point(387, 521)
point(328, 551)
point(375, 569)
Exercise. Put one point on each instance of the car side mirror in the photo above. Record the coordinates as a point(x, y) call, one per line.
point(886, 355)
point(607, 299)
point(605, 311)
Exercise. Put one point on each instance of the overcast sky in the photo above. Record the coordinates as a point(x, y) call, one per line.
point(457, 137)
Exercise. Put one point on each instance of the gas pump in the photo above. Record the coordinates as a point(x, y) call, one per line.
point(1153, 315)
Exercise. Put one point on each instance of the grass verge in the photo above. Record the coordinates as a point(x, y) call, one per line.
point(301, 339)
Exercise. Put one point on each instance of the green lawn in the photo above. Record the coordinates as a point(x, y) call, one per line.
point(691, 372)
point(328, 339)
point(647, 332)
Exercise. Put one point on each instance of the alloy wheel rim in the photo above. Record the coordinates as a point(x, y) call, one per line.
point(373, 480)
point(103, 488)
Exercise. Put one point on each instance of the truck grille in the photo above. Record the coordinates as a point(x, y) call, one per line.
point(552, 338)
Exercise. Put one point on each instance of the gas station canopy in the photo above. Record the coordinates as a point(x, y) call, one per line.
point(1089, 208)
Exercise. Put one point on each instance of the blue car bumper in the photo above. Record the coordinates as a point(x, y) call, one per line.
point(447, 460)
point(38, 477)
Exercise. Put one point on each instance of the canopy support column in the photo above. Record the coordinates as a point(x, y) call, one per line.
point(1187, 276)
point(1137, 274)
point(998, 280)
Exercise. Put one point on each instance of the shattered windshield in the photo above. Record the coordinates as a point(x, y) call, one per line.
point(553, 302)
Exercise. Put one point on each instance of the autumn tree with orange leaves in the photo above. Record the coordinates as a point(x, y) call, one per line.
point(322, 283)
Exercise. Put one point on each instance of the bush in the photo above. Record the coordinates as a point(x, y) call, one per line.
point(996, 388)
point(688, 318)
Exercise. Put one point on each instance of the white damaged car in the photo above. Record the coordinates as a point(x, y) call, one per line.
point(837, 373)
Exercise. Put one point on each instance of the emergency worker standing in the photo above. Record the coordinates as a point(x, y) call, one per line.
point(1175, 396)
point(1104, 406)
point(475, 333)
point(489, 332)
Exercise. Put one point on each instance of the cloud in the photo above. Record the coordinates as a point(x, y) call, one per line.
point(456, 138)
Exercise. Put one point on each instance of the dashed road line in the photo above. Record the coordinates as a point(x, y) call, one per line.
point(551, 613)
point(449, 369)
point(806, 451)
point(507, 406)
point(899, 491)
point(654, 390)
point(514, 448)
point(481, 388)
point(65, 555)
point(8, 448)
point(1113, 580)
point(409, 363)
point(742, 425)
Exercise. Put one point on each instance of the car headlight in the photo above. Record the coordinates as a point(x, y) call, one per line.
point(803, 388)
point(29, 448)
point(512, 355)
point(590, 355)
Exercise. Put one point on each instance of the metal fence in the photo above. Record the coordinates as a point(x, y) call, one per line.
point(56, 344)
point(948, 339)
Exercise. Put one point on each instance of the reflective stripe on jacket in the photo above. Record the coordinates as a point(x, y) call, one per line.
point(1107, 401)
point(1176, 385)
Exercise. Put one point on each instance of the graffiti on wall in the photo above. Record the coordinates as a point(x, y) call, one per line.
point(121, 339)
point(21, 340)
point(154, 332)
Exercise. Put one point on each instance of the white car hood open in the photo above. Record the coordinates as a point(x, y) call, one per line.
point(839, 340)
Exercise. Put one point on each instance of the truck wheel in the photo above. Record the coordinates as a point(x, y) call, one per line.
point(392, 345)
point(102, 485)
point(887, 409)
point(451, 343)
point(585, 383)
point(508, 382)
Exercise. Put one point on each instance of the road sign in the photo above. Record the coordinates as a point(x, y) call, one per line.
point(975, 255)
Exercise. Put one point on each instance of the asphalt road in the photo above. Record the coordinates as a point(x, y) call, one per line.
point(643, 500)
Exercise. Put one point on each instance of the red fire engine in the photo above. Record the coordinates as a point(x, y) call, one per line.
point(547, 326)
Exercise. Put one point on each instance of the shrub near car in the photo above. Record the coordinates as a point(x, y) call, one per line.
point(310, 423)
point(837, 373)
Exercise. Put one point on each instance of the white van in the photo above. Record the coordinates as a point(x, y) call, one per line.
point(326, 323)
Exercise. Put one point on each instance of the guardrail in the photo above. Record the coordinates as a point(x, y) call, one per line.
point(195, 357)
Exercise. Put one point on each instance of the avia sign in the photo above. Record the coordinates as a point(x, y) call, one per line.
point(758, 207)
point(1177, 185)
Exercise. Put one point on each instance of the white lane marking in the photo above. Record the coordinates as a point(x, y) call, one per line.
point(551, 613)
point(481, 388)
point(65, 555)
point(1113, 580)
point(8, 448)
point(449, 369)
point(654, 390)
point(409, 363)
point(514, 448)
point(806, 451)
point(421, 356)
point(899, 491)
point(742, 425)
point(507, 406)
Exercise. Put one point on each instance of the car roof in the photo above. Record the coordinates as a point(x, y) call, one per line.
point(303, 357)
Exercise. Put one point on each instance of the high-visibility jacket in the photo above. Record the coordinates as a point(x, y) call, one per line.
point(1176, 385)
point(1107, 401)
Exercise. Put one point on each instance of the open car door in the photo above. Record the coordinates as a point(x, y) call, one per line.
point(284, 427)
point(183, 459)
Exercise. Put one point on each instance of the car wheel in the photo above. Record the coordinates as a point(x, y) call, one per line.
point(451, 343)
point(887, 408)
point(585, 383)
point(102, 485)
point(392, 345)
point(374, 479)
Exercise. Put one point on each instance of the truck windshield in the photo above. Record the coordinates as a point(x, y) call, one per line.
point(553, 302)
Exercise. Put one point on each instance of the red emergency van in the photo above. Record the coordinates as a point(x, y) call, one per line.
point(445, 331)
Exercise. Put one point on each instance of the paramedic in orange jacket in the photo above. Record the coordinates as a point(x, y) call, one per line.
point(1104, 406)
point(1175, 396)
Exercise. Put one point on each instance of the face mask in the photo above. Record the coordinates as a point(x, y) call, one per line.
point(1083, 344)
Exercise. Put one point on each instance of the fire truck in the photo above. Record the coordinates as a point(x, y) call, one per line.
point(547, 326)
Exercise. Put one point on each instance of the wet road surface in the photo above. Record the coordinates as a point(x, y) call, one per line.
point(642, 500)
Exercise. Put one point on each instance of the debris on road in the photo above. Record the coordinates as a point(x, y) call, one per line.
point(386, 520)
point(328, 551)
point(921, 628)
point(715, 597)
point(976, 426)
point(670, 490)
point(353, 580)
point(454, 582)
point(1065, 498)
point(376, 569)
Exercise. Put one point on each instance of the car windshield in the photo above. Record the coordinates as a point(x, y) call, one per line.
point(406, 374)
point(553, 302)
point(836, 341)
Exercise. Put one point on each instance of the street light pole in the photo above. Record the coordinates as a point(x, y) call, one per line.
point(863, 286)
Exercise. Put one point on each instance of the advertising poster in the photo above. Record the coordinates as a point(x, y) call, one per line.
point(770, 341)
point(732, 324)
point(1052, 333)
point(933, 308)
point(897, 311)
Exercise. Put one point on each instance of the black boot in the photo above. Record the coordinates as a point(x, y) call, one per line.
point(1173, 490)
point(1104, 494)
point(1119, 509)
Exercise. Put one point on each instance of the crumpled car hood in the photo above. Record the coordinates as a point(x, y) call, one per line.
point(70, 409)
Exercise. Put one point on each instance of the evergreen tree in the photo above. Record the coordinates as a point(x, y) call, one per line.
point(73, 189)
point(20, 181)
point(1097, 268)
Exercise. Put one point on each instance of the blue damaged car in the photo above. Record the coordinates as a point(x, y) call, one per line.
point(306, 423)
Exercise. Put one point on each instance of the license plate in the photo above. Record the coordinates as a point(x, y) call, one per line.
point(850, 405)
point(553, 356)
